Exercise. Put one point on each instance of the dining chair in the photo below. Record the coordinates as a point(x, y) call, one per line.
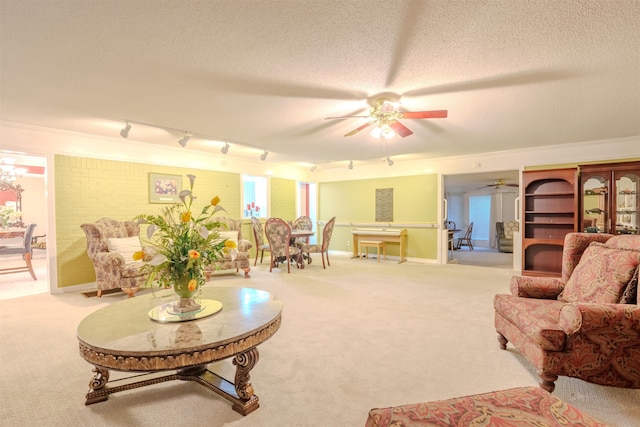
point(466, 239)
point(23, 249)
point(322, 248)
point(278, 235)
point(302, 223)
point(258, 234)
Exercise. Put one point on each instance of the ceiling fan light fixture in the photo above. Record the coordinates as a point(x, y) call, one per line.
point(264, 155)
point(383, 131)
point(386, 132)
point(125, 130)
point(225, 149)
point(183, 141)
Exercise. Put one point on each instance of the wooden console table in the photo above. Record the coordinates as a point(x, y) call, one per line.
point(387, 235)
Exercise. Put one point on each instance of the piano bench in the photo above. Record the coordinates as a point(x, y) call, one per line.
point(366, 244)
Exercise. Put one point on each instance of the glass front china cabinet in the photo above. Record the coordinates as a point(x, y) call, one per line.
point(609, 198)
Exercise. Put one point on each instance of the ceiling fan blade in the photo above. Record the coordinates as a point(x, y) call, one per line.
point(400, 129)
point(356, 130)
point(435, 114)
point(345, 117)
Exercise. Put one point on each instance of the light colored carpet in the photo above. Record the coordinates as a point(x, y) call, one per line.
point(358, 335)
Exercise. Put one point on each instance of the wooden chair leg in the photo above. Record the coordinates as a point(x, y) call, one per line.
point(27, 258)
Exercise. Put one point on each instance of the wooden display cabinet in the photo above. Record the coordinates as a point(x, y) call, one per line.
point(609, 198)
point(549, 212)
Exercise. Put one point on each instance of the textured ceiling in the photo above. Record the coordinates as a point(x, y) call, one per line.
point(263, 75)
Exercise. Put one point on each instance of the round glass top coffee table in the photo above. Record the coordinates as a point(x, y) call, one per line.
point(123, 337)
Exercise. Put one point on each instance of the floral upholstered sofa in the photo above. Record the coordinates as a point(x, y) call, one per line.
point(235, 260)
point(585, 324)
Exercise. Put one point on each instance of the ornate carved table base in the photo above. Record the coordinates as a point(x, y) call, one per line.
point(240, 393)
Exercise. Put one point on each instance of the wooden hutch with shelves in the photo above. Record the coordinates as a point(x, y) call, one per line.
point(549, 212)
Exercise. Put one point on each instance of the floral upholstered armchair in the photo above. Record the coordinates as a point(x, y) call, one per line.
point(504, 235)
point(236, 260)
point(585, 324)
point(110, 246)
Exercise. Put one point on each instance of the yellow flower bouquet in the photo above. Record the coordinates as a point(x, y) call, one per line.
point(183, 244)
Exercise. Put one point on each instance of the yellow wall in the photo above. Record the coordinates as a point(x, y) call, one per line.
point(415, 201)
point(89, 189)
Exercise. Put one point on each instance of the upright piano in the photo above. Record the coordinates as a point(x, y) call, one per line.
point(387, 235)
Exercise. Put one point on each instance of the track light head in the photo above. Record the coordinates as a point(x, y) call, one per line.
point(264, 155)
point(313, 168)
point(125, 131)
point(350, 164)
point(183, 141)
point(389, 161)
point(225, 149)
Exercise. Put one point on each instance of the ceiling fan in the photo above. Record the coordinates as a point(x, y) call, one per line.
point(385, 115)
point(499, 184)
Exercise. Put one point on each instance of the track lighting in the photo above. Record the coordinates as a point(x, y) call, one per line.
point(185, 139)
point(264, 155)
point(389, 161)
point(313, 168)
point(125, 131)
point(225, 149)
point(350, 164)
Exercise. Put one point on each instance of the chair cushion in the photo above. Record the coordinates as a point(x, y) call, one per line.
point(229, 235)
point(125, 246)
point(537, 319)
point(509, 228)
point(602, 275)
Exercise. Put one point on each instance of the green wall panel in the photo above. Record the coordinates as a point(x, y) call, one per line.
point(283, 198)
point(415, 201)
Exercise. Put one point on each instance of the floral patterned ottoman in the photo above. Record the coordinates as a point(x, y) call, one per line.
point(524, 406)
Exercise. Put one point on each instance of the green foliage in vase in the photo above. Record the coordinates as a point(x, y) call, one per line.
point(183, 244)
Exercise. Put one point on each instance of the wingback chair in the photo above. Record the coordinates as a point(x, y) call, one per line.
point(232, 229)
point(110, 246)
point(322, 248)
point(585, 324)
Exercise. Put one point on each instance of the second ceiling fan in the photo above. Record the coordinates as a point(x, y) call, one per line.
point(385, 115)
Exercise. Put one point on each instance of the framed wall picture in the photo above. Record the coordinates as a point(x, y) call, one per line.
point(164, 188)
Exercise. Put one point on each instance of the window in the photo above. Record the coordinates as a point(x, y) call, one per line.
point(254, 200)
point(479, 209)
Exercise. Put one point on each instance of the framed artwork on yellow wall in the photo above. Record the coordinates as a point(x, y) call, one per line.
point(164, 188)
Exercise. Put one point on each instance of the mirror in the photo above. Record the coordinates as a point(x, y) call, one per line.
point(11, 196)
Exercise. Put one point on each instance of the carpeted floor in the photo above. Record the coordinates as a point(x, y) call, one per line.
point(358, 335)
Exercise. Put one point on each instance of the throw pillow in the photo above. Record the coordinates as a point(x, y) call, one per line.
point(601, 275)
point(125, 246)
point(229, 235)
point(630, 294)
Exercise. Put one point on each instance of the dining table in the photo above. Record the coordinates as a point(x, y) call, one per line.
point(295, 234)
point(12, 232)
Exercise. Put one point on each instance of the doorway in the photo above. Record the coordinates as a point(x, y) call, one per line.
point(33, 206)
point(482, 199)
